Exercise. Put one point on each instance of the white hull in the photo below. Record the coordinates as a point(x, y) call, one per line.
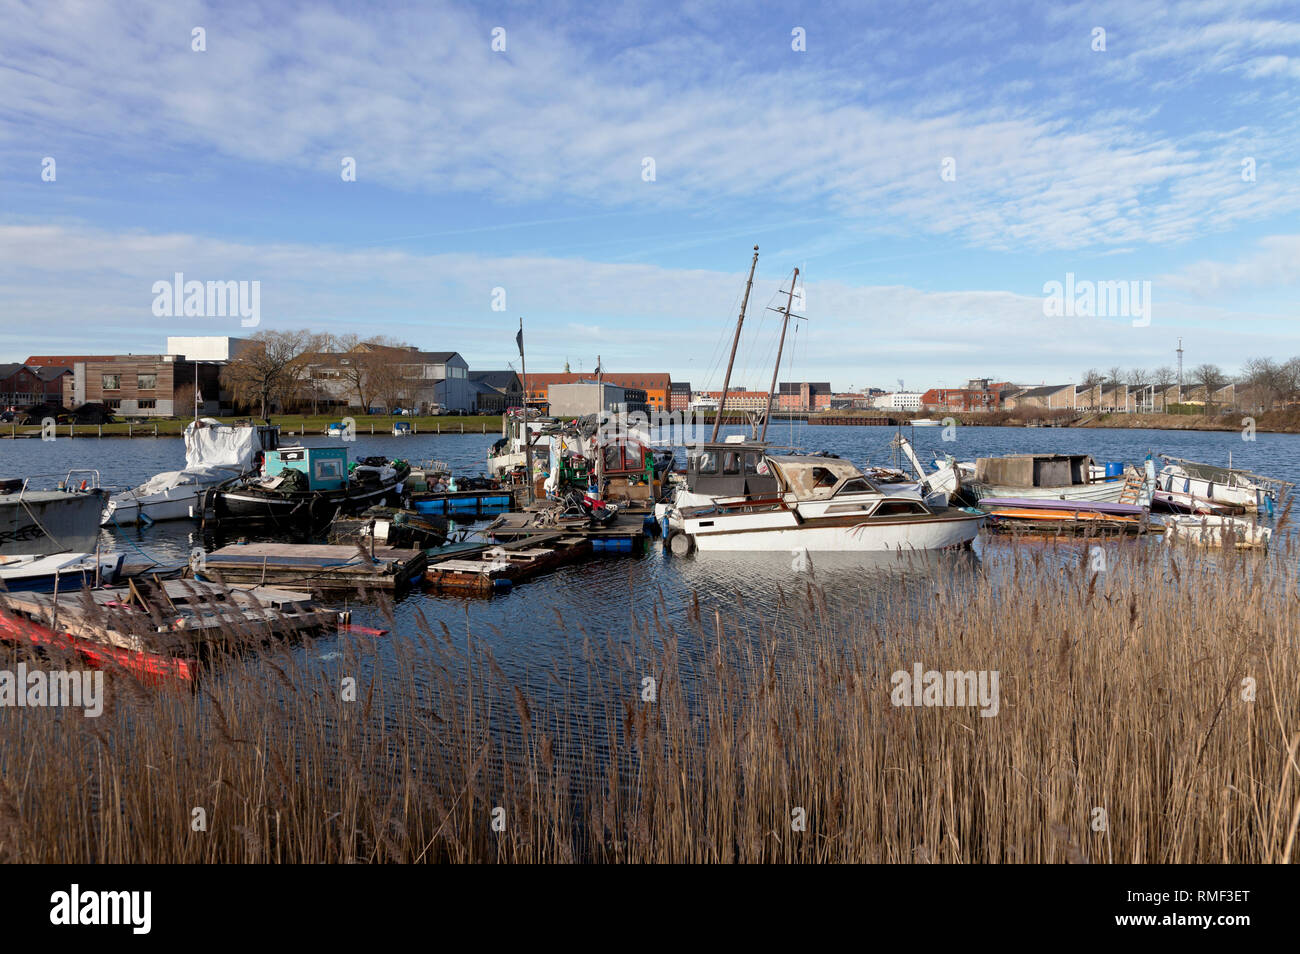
point(181, 502)
point(1108, 490)
point(1215, 531)
point(913, 535)
point(165, 506)
point(1190, 490)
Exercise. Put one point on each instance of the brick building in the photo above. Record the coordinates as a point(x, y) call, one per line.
point(657, 387)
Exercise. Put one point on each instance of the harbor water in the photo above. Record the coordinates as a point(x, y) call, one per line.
point(536, 623)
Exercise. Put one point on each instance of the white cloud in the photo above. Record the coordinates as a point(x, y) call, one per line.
point(424, 105)
point(95, 286)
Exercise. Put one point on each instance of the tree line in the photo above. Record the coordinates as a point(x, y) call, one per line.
point(300, 370)
point(1261, 385)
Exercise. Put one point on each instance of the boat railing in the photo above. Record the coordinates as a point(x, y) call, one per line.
point(66, 481)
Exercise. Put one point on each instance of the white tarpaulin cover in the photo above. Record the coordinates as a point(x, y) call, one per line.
point(213, 444)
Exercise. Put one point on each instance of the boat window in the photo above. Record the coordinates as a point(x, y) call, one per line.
point(329, 469)
point(855, 485)
point(823, 477)
point(897, 507)
point(706, 463)
point(731, 463)
point(751, 464)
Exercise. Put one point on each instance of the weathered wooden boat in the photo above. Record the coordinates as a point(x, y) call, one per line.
point(1069, 516)
point(1040, 476)
point(306, 486)
point(156, 630)
point(823, 503)
point(391, 527)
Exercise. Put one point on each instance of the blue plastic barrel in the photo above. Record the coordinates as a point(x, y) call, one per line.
point(1114, 468)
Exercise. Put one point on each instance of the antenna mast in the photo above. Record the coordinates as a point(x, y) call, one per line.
point(726, 382)
point(1180, 370)
point(785, 323)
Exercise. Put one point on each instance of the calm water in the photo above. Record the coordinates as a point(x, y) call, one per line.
point(604, 598)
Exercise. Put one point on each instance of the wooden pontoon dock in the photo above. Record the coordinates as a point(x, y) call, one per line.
point(316, 566)
point(499, 567)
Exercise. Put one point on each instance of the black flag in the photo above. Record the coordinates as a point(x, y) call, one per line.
point(519, 340)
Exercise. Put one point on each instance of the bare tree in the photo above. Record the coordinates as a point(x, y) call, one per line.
point(1139, 380)
point(390, 384)
point(1092, 382)
point(1264, 382)
point(269, 368)
point(367, 366)
point(1163, 377)
point(1211, 378)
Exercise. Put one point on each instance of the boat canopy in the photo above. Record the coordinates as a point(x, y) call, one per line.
point(817, 478)
point(730, 468)
point(209, 443)
point(1034, 470)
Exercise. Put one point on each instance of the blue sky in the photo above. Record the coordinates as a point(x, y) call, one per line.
point(523, 169)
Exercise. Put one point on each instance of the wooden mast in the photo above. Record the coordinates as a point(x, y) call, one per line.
point(726, 382)
point(785, 323)
point(600, 417)
point(528, 435)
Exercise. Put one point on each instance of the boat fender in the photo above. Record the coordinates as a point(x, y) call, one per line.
point(681, 544)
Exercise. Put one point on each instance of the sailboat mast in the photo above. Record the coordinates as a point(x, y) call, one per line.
point(771, 392)
point(528, 435)
point(726, 382)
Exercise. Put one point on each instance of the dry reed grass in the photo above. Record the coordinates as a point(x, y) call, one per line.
point(1120, 691)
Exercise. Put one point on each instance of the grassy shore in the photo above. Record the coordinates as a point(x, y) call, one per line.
point(1285, 422)
point(1149, 713)
point(290, 424)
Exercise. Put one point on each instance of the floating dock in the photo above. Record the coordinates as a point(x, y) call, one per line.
point(464, 503)
point(625, 534)
point(316, 566)
point(497, 568)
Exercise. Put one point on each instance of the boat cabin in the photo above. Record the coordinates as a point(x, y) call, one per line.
point(730, 469)
point(326, 468)
point(1035, 470)
point(819, 478)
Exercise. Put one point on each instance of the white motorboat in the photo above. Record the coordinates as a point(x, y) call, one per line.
point(1216, 531)
point(1186, 485)
point(214, 452)
point(820, 504)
